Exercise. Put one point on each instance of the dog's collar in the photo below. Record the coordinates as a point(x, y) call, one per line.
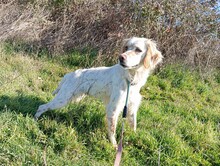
point(131, 81)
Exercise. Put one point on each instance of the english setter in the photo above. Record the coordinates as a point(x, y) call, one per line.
point(138, 59)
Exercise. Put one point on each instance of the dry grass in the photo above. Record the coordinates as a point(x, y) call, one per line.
point(186, 31)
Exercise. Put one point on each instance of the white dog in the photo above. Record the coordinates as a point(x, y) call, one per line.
point(139, 58)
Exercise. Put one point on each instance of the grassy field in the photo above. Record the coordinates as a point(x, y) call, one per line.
point(178, 121)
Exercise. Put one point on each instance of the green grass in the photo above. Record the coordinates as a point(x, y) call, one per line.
point(178, 121)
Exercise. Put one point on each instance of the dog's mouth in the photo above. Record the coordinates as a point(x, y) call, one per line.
point(128, 67)
point(123, 65)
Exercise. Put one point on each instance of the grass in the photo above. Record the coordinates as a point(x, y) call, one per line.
point(178, 121)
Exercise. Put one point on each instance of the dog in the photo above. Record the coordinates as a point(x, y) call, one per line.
point(138, 58)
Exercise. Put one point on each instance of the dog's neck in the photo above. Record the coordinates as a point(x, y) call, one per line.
point(138, 76)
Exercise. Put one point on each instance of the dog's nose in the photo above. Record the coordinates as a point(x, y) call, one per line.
point(122, 57)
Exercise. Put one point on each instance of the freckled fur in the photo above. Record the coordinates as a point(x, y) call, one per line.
point(109, 84)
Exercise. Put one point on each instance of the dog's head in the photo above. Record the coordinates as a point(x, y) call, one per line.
point(138, 52)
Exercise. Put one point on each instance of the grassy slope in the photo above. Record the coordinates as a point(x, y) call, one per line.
point(178, 122)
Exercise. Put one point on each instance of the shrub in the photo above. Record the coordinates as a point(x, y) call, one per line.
point(184, 30)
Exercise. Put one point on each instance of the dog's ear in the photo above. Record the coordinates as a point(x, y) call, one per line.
point(153, 56)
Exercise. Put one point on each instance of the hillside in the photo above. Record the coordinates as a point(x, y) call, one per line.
point(178, 121)
point(179, 118)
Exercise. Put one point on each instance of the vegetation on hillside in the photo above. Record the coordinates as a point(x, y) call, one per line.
point(186, 30)
point(178, 121)
point(179, 118)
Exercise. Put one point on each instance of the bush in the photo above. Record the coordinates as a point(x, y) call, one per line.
point(184, 30)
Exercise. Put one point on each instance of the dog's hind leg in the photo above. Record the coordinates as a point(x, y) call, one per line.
point(58, 102)
point(63, 97)
point(67, 90)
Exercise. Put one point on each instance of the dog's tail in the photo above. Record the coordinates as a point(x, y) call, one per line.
point(59, 86)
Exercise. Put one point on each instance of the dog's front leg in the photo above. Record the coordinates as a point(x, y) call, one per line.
point(113, 110)
point(133, 106)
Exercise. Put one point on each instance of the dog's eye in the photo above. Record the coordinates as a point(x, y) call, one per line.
point(126, 48)
point(138, 50)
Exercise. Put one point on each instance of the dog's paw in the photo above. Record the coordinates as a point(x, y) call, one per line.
point(37, 115)
point(115, 146)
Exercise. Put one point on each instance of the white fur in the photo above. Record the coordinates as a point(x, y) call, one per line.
point(109, 84)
